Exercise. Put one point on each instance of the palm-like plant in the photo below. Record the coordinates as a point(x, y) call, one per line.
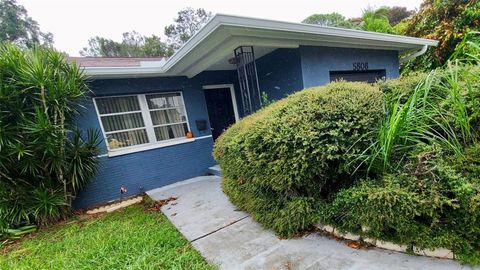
point(376, 20)
point(42, 155)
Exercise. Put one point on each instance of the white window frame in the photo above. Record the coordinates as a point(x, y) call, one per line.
point(149, 127)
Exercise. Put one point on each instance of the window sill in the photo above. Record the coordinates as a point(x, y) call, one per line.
point(145, 147)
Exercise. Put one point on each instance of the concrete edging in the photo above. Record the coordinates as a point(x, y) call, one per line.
point(441, 253)
point(115, 205)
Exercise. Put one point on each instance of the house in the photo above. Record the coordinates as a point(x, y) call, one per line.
point(160, 117)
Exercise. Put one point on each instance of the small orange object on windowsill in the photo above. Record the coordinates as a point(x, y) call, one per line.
point(189, 135)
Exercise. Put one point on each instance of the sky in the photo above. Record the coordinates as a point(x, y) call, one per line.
point(73, 22)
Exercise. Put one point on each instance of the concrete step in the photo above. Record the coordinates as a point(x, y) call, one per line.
point(215, 170)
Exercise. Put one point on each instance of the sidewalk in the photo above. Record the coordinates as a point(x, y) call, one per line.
point(230, 239)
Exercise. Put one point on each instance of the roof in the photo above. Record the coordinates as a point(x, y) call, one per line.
point(114, 61)
point(213, 45)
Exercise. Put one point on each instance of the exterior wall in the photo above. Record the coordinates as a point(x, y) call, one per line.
point(317, 62)
point(145, 170)
point(280, 73)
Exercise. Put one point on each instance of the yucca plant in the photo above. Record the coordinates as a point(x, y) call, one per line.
point(44, 159)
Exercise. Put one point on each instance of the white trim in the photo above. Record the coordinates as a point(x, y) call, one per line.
point(150, 146)
point(203, 137)
point(224, 32)
point(147, 119)
point(232, 95)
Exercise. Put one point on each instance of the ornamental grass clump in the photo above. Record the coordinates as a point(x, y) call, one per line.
point(44, 159)
point(282, 160)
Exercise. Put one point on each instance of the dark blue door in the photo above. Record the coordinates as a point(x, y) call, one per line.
point(220, 110)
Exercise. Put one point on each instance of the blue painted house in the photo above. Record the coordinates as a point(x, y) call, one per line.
point(160, 117)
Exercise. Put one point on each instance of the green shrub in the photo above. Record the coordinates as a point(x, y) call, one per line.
point(430, 203)
point(276, 161)
point(44, 159)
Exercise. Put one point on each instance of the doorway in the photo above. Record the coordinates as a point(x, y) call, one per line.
point(221, 106)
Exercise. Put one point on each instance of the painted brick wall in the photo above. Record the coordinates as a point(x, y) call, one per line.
point(280, 73)
point(317, 62)
point(154, 168)
point(147, 170)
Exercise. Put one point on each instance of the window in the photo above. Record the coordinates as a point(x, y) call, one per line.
point(369, 76)
point(129, 121)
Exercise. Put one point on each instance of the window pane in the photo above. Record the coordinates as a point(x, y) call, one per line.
point(127, 138)
point(161, 101)
point(122, 121)
point(117, 104)
point(171, 132)
point(168, 116)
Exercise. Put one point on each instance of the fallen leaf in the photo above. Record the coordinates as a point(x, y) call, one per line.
point(354, 244)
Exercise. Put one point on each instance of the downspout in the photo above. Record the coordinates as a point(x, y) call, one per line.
point(413, 55)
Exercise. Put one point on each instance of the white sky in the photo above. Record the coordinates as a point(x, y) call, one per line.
point(73, 22)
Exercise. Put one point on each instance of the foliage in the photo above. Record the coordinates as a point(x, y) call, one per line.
point(376, 20)
point(310, 133)
point(396, 14)
point(429, 203)
point(133, 44)
point(421, 186)
point(187, 23)
point(16, 26)
point(442, 108)
point(44, 160)
point(445, 21)
point(384, 19)
point(126, 239)
point(331, 19)
point(468, 50)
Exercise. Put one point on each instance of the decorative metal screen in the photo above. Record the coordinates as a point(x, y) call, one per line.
point(247, 78)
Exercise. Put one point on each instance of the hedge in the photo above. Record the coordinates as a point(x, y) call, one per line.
point(400, 157)
point(279, 162)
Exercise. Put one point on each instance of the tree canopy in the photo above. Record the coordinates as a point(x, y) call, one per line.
point(187, 23)
point(397, 14)
point(133, 44)
point(376, 20)
point(16, 26)
point(331, 19)
point(383, 19)
point(445, 21)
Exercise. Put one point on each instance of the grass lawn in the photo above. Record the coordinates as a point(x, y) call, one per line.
point(132, 238)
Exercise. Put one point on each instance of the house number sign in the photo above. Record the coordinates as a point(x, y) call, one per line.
point(360, 66)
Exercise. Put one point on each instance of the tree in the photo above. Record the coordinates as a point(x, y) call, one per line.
point(133, 44)
point(331, 19)
point(376, 20)
point(187, 23)
point(16, 26)
point(396, 14)
point(445, 21)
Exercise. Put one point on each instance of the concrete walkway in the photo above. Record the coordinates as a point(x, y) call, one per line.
point(230, 239)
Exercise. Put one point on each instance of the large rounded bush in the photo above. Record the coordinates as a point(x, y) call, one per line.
point(280, 161)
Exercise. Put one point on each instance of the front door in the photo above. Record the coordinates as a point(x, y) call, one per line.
point(220, 109)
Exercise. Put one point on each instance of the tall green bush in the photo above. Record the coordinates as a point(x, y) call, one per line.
point(44, 160)
point(409, 174)
point(432, 202)
point(279, 161)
